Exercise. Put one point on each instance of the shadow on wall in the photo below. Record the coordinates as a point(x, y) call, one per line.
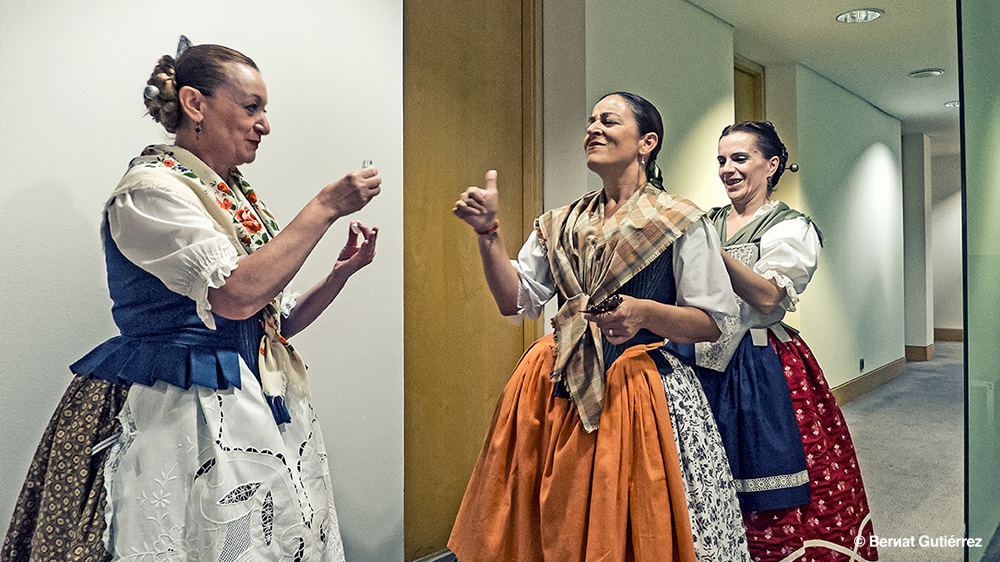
point(53, 269)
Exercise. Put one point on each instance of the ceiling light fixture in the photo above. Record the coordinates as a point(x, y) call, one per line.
point(863, 15)
point(926, 72)
point(954, 103)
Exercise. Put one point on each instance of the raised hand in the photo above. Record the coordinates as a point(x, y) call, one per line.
point(354, 255)
point(352, 192)
point(478, 206)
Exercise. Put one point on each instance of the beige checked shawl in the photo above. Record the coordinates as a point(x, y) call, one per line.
point(590, 258)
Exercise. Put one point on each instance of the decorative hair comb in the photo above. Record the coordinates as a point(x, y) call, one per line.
point(182, 45)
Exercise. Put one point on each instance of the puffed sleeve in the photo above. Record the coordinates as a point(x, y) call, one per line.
point(700, 274)
point(536, 285)
point(788, 254)
point(174, 240)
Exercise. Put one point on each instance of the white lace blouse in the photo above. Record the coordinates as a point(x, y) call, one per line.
point(173, 239)
point(789, 252)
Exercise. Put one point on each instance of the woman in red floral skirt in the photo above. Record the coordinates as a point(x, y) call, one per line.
point(793, 463)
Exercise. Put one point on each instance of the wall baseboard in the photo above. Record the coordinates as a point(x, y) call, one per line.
point(920, 353)
point(868, 382)
point(949, 334)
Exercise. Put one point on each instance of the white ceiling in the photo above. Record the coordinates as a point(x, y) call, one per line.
point(873, 60)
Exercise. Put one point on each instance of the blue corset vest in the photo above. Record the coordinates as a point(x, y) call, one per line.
point(162, 338)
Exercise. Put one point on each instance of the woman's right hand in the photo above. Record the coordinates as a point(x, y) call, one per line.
point(477, 206)
point(351, 192)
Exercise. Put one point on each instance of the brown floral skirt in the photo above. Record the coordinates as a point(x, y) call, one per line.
point(60, 512)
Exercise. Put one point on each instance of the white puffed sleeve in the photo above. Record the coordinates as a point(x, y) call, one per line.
point(536, 285)
point(700, 274)
point(174, 240)
point(788, 254)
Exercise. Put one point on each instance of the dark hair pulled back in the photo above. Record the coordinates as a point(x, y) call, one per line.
point(768, 142)
point(202, 67)
point(648, 120)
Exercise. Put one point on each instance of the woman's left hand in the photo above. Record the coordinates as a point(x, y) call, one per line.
point(622, 323)
point(354, 256)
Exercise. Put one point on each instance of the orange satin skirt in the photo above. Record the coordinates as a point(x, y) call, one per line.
point(545, 489)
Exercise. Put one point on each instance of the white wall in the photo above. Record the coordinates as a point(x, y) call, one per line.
point(850, 182)
point(71, 80)
point(672, 53)
point(918, 268)
point(946, 171)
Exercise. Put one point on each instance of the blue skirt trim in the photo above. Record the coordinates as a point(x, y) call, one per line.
point(753, 409)
point(181, 360)
point(278, 409)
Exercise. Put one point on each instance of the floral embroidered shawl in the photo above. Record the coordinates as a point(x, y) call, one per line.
point(229, 206)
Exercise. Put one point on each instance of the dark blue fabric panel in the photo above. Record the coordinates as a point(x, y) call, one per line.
point(753, 409)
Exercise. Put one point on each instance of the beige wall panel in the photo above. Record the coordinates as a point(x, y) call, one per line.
point(748, 90)
point(463, 115)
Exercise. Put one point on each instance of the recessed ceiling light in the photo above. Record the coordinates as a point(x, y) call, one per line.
point(860, 16)
point(926, 72)
point(954, 103)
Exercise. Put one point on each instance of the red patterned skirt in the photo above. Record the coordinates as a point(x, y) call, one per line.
point(825, 529)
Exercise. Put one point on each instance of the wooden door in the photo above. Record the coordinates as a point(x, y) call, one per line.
point(471, 102)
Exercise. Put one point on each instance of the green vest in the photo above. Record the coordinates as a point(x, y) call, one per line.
point(756, 228)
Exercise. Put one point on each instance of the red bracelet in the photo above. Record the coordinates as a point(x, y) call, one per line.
point(492, 229)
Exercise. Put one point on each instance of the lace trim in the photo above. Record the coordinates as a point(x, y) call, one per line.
point(716, 355)
point(764, 209)
point(768, 483)
point(791, 297)
point(287, 301)
point(214, 274)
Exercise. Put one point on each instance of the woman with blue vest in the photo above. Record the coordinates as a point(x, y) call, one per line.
point(191, 435)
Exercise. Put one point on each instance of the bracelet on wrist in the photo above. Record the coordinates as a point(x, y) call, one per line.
point(491, 230)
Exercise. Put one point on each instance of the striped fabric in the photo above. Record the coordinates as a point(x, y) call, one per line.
point(590, 258)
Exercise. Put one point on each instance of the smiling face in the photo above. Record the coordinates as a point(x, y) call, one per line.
point(612, 141)
point(234, 120)
point(743, 169)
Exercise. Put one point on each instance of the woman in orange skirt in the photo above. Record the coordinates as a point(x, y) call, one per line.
point(603, 446)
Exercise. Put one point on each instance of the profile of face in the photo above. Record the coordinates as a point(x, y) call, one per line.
point(234, 120)
point(612, 140)
point(743, 168)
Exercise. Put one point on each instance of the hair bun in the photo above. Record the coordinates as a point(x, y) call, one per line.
point(160, 94)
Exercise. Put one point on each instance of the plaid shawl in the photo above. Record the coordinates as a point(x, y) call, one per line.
point(590, 259)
